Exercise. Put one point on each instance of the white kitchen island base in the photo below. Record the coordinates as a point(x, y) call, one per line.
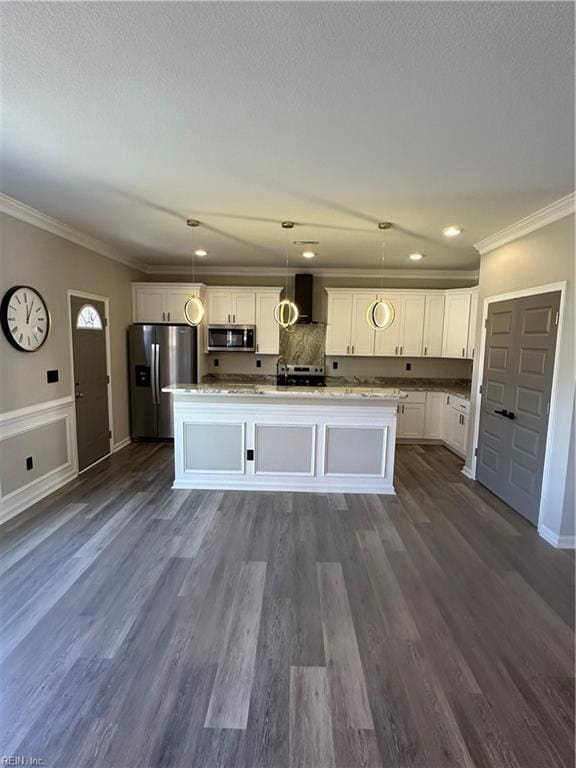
point(267, 438)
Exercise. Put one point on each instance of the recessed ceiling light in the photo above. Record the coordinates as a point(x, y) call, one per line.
point(452, 231)
point(416, 256)
point(308, 254)
point(201, 252)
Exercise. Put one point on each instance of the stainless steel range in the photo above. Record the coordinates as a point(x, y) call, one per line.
point(300, 375)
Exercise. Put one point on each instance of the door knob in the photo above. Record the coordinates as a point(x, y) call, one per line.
point(507, 414)
point(79, 395)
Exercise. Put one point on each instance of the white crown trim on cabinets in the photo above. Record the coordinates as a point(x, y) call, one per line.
point(551, 213)
point(23, 212)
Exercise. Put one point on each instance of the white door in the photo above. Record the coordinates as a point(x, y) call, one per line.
point(433, 325)
point(434, 412)
point(472, 325)
point(150, 305)
point(267, 329)
point(456, 319)
point(219, 307)
point(387, 341)
point(362, 335)
point(176, 299)
point(244, 308)
point(339, 324)
point(412, 326)
point(411, 420)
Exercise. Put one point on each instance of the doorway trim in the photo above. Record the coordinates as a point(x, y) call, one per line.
point(106, 301)
point(471, 470)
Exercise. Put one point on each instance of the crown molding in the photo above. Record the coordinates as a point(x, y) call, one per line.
point(553, 212)
point(23, 212)
point(405, 274)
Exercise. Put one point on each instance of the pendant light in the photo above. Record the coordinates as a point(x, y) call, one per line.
point(194, 308)
point(286, 311)
point(380, 314)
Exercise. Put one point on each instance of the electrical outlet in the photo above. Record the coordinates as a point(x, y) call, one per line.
point(334, 365)
point(216, 362)
point(29, 463)
point(408, 366)
point(258, 363)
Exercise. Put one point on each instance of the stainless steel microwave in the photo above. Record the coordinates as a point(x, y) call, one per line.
point(231, 338)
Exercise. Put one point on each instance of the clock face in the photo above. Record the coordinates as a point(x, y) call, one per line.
point(25, 319)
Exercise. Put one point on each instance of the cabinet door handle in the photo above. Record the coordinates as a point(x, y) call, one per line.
point(448, 400)
point(257, 347)
point(163, 315)
point(396, 351)
point(168, 315)
point(401, 348)
point(347, 348)
point(425, 351)
point(233, 318)
point(352, 348)
point(228, 318)
point(463, 351)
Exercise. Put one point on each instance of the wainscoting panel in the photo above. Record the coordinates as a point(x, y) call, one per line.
point(44, 433)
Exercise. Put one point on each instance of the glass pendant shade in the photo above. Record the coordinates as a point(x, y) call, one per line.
point(194, 310)
point(380, 314)
point(285, 313)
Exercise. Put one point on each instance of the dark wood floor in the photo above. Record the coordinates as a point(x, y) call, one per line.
point(148, 627)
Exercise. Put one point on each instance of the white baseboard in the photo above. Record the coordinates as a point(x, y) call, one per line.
point(560, 542)
point(468, 473)
point(121, 444)
point(284, 487)
point(23, 498)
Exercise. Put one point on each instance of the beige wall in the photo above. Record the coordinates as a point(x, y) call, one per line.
point(31, 256)
point(543, 257)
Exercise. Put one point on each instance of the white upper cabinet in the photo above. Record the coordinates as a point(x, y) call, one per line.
point(426, 323)
point(433, 325)
point(162, 302)
point(387, 341)
point(470, 348)
point(412, 325)
point(339, 330)
point(244, 307)
point(267, 329)
point(361, 334)
point(149, 305)
point(456, 320)
point(176, 299)
point(231, 306)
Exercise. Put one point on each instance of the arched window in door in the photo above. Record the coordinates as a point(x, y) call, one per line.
point(89, 318)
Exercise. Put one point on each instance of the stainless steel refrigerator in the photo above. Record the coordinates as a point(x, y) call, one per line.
point(159, 355)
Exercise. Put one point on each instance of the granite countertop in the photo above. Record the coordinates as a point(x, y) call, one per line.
point(271, 390)
point(459, 387)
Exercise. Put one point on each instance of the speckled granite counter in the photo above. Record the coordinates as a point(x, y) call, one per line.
point(355, 392)
point(460, 387)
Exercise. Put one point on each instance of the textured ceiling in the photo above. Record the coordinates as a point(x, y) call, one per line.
point(124, 119)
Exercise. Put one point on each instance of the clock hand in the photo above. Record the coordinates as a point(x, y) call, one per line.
point(29, 311)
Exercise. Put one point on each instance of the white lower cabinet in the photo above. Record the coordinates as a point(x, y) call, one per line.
point(411, 415)
point(434, 416)
point(434, 413)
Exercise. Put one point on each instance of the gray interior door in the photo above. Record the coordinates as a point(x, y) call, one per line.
point(516, 386)
point(90, 379)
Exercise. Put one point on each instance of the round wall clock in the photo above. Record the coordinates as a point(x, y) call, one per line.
point(24, 317)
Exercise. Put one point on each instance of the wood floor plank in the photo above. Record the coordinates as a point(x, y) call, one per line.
point(349, 698)
point(230, 700)
point(311, 741)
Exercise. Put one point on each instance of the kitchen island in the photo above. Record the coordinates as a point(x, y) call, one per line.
point(325, 440)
